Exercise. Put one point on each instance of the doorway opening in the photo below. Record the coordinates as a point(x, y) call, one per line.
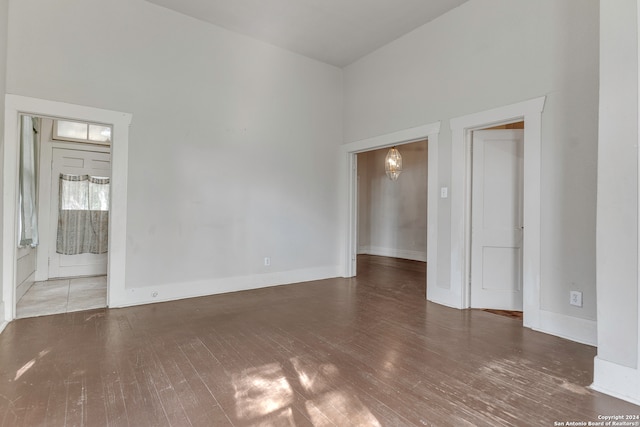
point(350, 151)
point(17, 106)
point(497, 226)
point(392, 214)
point(66, 268)
point(458, 293)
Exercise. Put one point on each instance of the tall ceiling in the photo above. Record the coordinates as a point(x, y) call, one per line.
point(337, 32)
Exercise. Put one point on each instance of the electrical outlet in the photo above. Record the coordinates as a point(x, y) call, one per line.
point(267, 261)
point(575, 298)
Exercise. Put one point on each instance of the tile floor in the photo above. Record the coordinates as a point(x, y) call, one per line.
point(63, 296)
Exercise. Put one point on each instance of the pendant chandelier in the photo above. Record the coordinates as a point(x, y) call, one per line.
point(393, 164)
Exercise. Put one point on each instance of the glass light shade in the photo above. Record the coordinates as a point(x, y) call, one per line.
point(393, 164)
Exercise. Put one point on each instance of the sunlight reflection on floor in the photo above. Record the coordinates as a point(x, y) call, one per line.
point(264, 396)
point(342, 408)
point(30, 363)
point(314, 377)
point(260, 391)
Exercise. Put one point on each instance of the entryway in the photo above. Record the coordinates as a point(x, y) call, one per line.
point(392, 214)
point(15, 107)
point(63, 265)
point(456, 292)
point(350, 151)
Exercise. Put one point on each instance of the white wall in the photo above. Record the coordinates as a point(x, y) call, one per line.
point(616, 367)
point(486, 54)
point(25, 270)
point(232, 144)
point(392, 215)
point(4, 15)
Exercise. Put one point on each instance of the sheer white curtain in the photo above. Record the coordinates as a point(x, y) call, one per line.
point(83, 218)
point(27, 220)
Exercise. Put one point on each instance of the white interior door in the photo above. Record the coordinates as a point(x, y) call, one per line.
point(496, 225)
point(77, 162)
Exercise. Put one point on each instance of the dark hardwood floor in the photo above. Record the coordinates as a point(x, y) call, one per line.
point(364, 351)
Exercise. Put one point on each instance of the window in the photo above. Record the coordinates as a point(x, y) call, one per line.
point(84, 192)
point(83, 218)
point(81, 132)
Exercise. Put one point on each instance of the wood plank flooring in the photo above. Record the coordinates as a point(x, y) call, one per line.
point(367, 351)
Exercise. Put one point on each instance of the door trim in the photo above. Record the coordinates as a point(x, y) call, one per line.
point(349, 194)
point(461, 127)
point(16, 105)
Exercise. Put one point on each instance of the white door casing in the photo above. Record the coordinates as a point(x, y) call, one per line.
point(77, 162)
point(16, 105)
point(457, 294)
point(349, 200)
point(497, 219)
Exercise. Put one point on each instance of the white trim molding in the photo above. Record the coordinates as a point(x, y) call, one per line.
point(349, 196)
point(175, 291)
point(612, 378)
point(634, 393)
point(636, 396)
point(16, 105)
point(461, 127)
point(616, 380)
point(584, 331)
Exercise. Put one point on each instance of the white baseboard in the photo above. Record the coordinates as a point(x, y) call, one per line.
point(3, 324)
point(616, 380)
point(393, 252)
point(175, 291)
point(572, 328)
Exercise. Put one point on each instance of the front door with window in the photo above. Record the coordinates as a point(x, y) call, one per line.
point(79, 208)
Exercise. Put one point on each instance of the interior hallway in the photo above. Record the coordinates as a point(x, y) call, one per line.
point(363, 351)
